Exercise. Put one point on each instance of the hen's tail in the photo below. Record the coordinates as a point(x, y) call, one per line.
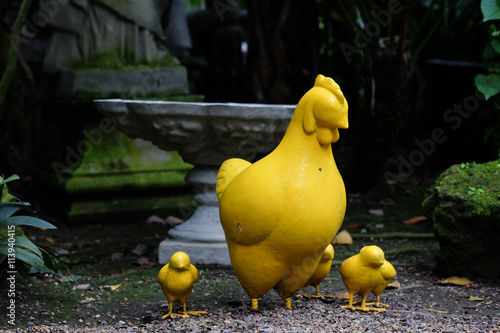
point(228, 170)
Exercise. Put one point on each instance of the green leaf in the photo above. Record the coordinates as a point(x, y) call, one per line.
point(30, 258)
point(20, 244)
point(26, 220)
point(488, 85)
point(490, 9)
point(496, 45)
point(11, 178)
point(49, 257)
point(9, 208)
point(494, 68)
point(27, 256)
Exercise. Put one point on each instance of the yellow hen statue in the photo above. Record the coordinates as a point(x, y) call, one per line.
point(361, 273)
point(177, 279)
point(324, 266)
point(280, 213)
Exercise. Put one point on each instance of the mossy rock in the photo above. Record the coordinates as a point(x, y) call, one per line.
point(464, 206)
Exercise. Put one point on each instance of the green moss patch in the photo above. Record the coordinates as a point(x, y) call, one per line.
point(464, 206)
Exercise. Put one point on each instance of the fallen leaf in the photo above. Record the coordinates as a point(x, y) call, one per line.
point(117, 256)
point(140, 249)
point(62, 252)
point(86, 300)
point(145, 261)
point(352, 226)
point(455, 280)
point(436, 310)
point(475, 299)
point(50, 240)
point(172, 220)
point(415, 219)
point(116, 286)
point(343, 237)
point(83, 286)
point(343, 295)
point(394, 285)
point(78, 251)
point(376, 212)
point(155, 219)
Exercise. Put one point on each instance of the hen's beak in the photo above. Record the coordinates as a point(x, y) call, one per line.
point(344, 124)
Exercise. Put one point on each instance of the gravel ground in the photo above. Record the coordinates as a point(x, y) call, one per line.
point(417, 306)
point(310, 317)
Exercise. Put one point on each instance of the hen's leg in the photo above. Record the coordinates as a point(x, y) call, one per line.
point(288, 302)
point(255, 303)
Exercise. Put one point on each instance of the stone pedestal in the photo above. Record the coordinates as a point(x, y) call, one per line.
point(201, 235)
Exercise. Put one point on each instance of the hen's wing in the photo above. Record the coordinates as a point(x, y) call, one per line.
point(228, 170)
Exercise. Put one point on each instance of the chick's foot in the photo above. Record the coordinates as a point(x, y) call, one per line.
point(195, 313)
point(362, 308)
point(173, 314)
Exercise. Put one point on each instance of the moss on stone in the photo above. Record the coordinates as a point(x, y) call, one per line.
point(464, 206)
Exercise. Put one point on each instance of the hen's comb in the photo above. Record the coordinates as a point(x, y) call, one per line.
point(330, 85)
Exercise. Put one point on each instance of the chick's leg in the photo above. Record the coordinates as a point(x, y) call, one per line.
point(350, 306)
point(379, 305)
point(288, 302)
point(317, 295)
point(302, 294)
point(365, 308)
point(193, 313)
point(170, 313)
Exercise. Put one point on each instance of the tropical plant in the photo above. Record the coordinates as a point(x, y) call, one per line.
point(15, 247)
point(489, 85)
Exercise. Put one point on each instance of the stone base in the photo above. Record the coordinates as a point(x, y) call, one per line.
point(198, 252)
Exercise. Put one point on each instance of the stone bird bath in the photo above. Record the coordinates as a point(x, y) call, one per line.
point(205, 135)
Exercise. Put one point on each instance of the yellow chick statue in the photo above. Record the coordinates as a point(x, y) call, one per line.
point(388, 272)
point(280, 213)
point(324, 266)
point(361, 273)
point(177, 279)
